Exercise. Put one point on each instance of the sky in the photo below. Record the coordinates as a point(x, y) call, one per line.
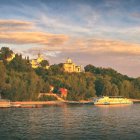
point(104, 33)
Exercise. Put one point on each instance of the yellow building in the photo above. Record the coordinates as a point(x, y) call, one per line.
point(11, 57)
point(69, 66)
point(36, 62)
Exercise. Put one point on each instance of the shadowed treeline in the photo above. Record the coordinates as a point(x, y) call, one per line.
point(20, 82)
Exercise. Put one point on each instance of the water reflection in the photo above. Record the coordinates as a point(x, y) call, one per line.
point(71, 122)
point(115, 105)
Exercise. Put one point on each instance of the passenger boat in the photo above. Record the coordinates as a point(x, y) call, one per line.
point(111, 100)
point(4, 103)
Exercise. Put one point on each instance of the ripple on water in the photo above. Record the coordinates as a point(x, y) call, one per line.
point(71, 122)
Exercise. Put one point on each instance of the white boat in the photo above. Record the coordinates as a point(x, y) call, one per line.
point(110, 100)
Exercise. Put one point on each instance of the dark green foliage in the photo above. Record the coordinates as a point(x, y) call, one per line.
point(2, 77)
point(19, 64)
point(111, 83)
point(80, 86)
point(22, 86)
point(47, 98)
point(5, 52)
point(106, 71)
point(18, 81)
point(56, 69)
point(99, 86)
point(44, 63)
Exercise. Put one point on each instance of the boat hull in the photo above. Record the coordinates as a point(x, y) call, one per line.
point(111, 101)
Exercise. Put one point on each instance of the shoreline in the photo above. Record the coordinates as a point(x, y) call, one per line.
point(59, 102)
point(34, 104)
point(39, 104)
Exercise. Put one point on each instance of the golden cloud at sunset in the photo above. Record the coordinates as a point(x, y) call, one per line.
point(38, 38)
point(12, 32)
point(100, 45)
point(25, 32)
point(93, 46)
point(14, 25)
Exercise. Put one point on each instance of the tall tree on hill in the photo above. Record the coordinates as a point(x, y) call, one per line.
point(19, 64)
point(44, 63)
point(5, 53)
point(2, 77)
point(114, 90)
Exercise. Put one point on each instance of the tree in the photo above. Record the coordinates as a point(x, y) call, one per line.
point(5, 52)
point(2, 77)
point(44, 63)
point(99, 86)
point(56, 69)
point(114, 90)
point(19, 64)
point(126, 88)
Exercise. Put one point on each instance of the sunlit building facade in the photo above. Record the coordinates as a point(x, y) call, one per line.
point(36, 62)
point(69, 66)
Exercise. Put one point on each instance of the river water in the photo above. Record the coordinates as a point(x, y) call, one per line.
point(76, 122)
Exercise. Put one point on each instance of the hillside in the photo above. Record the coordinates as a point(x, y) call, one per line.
point(20, 82)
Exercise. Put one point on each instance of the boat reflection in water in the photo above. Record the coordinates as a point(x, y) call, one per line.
point(111, 100)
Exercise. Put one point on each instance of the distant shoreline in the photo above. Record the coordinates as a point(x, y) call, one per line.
point(37, 103)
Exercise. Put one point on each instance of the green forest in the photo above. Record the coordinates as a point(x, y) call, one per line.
point(20, 82)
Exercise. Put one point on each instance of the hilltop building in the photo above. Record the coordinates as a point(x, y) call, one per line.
point(69, 66)
point(37, 62)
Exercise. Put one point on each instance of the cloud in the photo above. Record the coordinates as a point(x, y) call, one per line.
point(59, 24)
point(87, 15)
point(94, 46)
point(112, 46)
point(38, 38)
point(137, 15)
point(14, 25)
point(13, 32)
point(25, 32)
point(102, 46)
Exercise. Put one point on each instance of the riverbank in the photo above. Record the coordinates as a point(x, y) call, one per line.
point(43, 103)
point(31, 104)
point(38, 104)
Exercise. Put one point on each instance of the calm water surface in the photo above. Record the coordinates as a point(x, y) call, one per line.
point(71, 122)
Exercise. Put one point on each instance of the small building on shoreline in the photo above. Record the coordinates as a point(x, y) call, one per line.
point(63, 93)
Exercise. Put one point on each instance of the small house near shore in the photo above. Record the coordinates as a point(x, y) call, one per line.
point(63, 92)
